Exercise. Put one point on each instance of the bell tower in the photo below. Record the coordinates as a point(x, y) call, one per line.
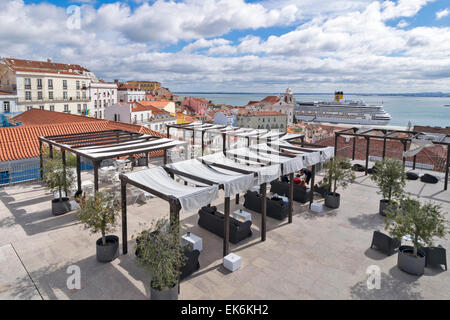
point(288, 96)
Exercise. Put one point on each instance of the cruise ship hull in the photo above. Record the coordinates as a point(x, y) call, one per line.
point(360, 121)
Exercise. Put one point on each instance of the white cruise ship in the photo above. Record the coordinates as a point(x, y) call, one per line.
point(339, 111)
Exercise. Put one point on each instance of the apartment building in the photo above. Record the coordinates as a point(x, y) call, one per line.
point(284, 104)
point(130, 93)
point(103, 95)
point(261, 120)
point(146, 85)
point(46, 85)
point(8, 107)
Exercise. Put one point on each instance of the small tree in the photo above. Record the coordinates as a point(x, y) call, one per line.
point(54, 177)
point(100, 212)
point(422, 222)
point(161, 254)
point(390, 177)
point(338, 173)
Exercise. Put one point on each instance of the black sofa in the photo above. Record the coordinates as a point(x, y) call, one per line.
point(435, 256)
point(213, 221)
point(276, 209)
point(428, 178)
point(282, 188)
point(412, 176)
point(191, 263)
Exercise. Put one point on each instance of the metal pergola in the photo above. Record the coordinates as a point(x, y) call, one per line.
point(97, 146)
point(404, 137)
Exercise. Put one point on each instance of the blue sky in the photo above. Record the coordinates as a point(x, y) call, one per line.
point(237, 45)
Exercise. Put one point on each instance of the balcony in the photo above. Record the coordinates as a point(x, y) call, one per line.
point(54, 100)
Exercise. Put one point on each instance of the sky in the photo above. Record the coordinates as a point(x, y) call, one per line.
point(361, 46)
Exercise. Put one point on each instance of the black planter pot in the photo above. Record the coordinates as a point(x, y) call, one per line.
point(409, 263)
point(167, 294)
point(108, 252)
point(333, 200)
point(384, 204)
point(60, 207)
point(141, 162)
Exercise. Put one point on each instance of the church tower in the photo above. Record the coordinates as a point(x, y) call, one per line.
point(288, 96)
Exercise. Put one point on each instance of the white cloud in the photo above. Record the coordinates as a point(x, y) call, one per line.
point(442, 13)
point(330, 44)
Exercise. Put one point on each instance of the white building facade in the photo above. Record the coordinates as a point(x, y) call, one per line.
point(130, 93)
point(128, 112)
point(103, 95)
point(46, 85)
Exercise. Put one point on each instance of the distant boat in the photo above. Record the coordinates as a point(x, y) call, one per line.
point(446, 105)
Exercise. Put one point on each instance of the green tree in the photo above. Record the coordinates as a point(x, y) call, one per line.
point(161, 254)
point(100, 213)
point(390, 177)
point(421, 222)
point(55, 177)
point(338, 173)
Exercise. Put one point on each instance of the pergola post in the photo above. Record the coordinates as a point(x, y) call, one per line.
point(237, 198)
point(335, 144)
point(165, 157)
point(175, 213)
point(354, 148)
point(63, 157)
point(313, 178)
point(203, 141)
point(263, 194)
point(414, 162)
point(123, 194)
point(50, 147)
point(447, 164)
point(367, 155)
point(41, 160)
point(96, 165)
point(291, 196)
point(146, 159)
point(168, 130)
point(224, 143)
point(384, 148)
point(404, 150)
point(226, 231)
point(79, 175)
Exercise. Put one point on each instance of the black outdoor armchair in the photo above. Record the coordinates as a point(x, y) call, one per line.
point(435, 256)
point(384, 243)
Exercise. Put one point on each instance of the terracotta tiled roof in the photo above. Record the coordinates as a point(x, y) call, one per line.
point(28, 65)
point(5, 93)
point(127, 86)
point(157, 104)
point(271, 99)
point(428, 129)
point(22, 142)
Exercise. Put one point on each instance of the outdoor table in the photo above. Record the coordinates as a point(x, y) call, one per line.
point(242, 214)
point(190, 238)
point(232, 262)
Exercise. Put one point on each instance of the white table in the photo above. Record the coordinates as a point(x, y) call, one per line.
point(242, 214)
point(190, 238)
point(232, 262)
point(316, 207)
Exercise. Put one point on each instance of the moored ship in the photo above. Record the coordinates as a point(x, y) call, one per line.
point(340, 111)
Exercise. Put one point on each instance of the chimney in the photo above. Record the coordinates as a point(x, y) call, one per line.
point(49, 60)
point(116, 80)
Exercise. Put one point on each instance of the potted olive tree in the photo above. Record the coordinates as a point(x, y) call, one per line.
point(159, 251)
point(57, 179)
point(337, 173)
point(390, 178)
point(421, 223)
point(99, 213)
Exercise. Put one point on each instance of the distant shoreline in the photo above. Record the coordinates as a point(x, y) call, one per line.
point(420, 95)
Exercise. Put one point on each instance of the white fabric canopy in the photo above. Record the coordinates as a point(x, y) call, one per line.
point(265, 173)
point(291, 136)
point(233, 182)
point(290, 165)
point(311, 158)
point(191, 198)
point(423, 141)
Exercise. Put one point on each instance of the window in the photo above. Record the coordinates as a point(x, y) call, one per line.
point(66, 108)
point(95, 103)
point(84, 94)
point(65, 95)
point(50, 95)
point(95, 114)
point(50, 83)
point(27, 83)
point(64, 84)
point(39, 83)
point(52, 108)
point(6, 107)
point(79, 108)
point(39, 95)
point(78, 95)
point(27, 95)
point(78, 85)
point(100, 113)
point(29, 108)
point(41, 107)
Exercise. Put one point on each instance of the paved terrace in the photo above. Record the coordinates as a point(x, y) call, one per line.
point(318, 256)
